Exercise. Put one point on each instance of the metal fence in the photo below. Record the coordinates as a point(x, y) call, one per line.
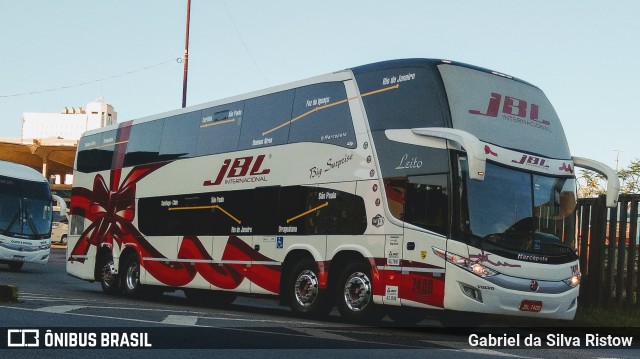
point(607, 242)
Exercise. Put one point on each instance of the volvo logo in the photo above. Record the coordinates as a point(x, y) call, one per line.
point(533, 286)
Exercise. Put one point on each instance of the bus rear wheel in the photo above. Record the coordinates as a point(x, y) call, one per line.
point(131, 275)
point(303, 288)
point(108, 279)
point(355, 295)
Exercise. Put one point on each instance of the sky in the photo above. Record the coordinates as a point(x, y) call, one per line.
point(584, 54)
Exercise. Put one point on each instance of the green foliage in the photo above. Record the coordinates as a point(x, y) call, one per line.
point(591, 184)
point(614, 316)
point(630, 178)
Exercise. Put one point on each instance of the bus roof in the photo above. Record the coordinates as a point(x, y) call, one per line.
point(10, 169)
point(340, 75)
point(428, 62)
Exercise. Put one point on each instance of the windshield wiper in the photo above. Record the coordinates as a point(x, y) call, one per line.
point(13, 220)
point(30, 222)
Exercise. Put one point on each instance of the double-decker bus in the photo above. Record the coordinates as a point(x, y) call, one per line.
point(385, 188)
point(26, 212)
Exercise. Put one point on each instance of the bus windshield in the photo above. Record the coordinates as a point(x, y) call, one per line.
point(519, 211)
point(25, 209)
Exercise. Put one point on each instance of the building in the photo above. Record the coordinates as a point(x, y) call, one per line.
point(70, 123)
point(49, 141)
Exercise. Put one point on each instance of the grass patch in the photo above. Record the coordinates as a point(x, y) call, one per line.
point(609, 317)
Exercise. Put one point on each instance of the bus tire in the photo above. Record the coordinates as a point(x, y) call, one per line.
point(131, 275)
point(354, 294)
point(110, 282)
point(15, 266)
point(306, 299)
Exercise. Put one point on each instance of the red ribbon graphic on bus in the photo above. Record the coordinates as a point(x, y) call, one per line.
point(111, 210)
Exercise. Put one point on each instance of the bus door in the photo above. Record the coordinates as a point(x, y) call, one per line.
point(267, 241)
point(425, 214)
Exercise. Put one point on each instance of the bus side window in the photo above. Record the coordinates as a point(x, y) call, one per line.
point(317, 210)
point(420, 200)
point(412, 103)
point(266, 203)
point(395, 189)
point(179, 136)
point(427, 203)
point(321, 114)
point(219, 129)
point(77, 224)
point(95, 152)
point(144, 143)
point(266, 120)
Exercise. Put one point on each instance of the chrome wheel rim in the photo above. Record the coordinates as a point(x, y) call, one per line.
point(357, 292)
point(133, 276)
point(306, 288)
point(107, 277)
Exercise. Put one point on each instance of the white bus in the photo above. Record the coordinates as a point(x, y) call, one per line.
point(386, 188)
point(26, 210)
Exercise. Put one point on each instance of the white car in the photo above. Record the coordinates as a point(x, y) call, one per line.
point(59, 230)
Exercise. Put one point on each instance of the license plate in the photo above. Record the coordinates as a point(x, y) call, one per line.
point(531, 306)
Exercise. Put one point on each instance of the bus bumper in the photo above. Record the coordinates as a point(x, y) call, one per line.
point(27, 255)
point(519, 297)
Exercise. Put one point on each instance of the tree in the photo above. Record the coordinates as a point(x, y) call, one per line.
point(630, 178)
point(591, 184)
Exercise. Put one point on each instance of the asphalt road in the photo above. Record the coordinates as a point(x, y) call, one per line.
point(77, 314)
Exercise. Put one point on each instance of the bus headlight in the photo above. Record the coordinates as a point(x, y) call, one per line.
point(476, 268)
point(573, 281)
point(480, 270)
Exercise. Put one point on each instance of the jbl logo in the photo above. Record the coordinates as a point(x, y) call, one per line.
point(239, 167)
point(511, 106)
point(531, 160)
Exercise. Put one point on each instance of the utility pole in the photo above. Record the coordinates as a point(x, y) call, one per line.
point(186, 58)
